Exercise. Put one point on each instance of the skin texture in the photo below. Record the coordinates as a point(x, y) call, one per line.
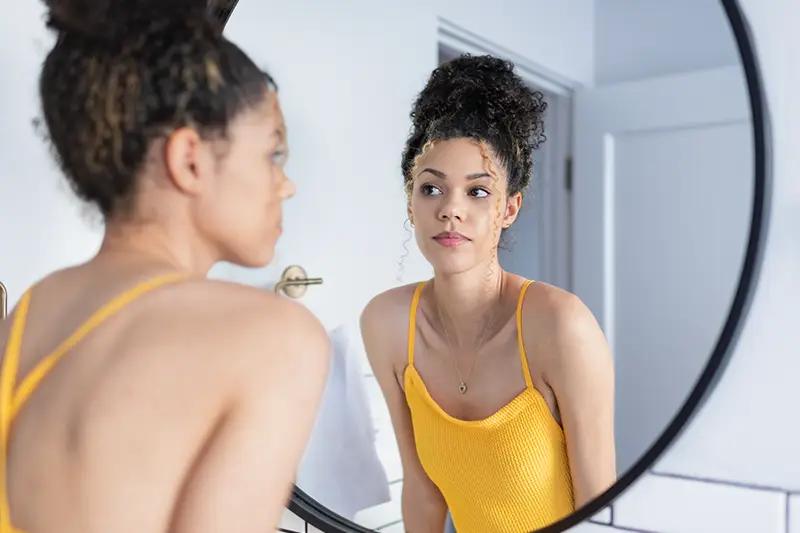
point(568, 356)
point(172, 415)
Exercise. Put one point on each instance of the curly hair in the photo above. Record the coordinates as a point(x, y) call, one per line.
point(124, 73)
point(482, 98)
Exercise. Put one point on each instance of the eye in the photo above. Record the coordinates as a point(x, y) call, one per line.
point(278, 157)
point(430, 190)
point(479, 192)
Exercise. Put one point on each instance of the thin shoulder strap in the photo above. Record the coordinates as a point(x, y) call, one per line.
point(32, 380)
point(525, 369)
point(412, 322)
point(8, 378)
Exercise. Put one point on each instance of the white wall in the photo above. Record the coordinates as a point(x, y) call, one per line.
point(41, 227)
point(637, 39)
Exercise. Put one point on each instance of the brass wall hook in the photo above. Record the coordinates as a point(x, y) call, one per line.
point(3, 301)
point(294, 282)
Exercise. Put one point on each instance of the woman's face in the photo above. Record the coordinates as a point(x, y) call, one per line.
point(459, 205)
point(242, 211)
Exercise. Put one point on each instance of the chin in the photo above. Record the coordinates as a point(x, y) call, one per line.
point(254, 259)
point(450, 263)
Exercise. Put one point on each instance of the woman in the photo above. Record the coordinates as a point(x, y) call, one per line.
point(500, 389)
point(136, 394)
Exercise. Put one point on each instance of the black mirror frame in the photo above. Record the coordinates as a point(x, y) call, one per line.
point(305, 507)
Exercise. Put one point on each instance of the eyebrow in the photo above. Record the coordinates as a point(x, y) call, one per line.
point(442, 175)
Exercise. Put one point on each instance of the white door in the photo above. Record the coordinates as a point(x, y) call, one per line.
point(663, 172)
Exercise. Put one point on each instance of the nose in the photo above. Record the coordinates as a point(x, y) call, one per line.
point(288, 188)
point(451, 210)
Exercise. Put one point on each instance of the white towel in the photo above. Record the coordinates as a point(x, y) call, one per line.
point(340, 468)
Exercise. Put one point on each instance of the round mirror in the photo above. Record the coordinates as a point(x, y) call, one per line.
point(532, 230)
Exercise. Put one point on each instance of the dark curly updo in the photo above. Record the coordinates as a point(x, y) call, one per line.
point(482, 98)
point(124, 73)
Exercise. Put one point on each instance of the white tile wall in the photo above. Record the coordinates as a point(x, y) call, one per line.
point(685, 506)
point(603, 517)
point(737, 467)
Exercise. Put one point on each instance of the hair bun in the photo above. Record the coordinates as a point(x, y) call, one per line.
point(480, 86)
point(105, 19)
point(479, 97)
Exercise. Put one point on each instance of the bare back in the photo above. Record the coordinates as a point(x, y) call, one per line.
point(171, 415)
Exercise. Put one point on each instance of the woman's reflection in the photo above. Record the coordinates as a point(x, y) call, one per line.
point(500, 389)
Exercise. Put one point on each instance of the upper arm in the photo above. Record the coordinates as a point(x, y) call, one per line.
point(580, 371)
point(424, 508)
point(242, 479)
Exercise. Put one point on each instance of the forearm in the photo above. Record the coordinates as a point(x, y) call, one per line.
point(592, 484)
point(422, 514)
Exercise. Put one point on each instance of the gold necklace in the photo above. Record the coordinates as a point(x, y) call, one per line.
point(462, 387)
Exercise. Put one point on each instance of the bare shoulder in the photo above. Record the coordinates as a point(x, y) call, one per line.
point(256, 332)
point(243, 308)
point(551, 310)
point(383, 310)
point(562, 328)
point(384, 326)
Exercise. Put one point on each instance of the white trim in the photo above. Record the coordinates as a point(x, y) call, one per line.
point(463, 40)
point(609, 250)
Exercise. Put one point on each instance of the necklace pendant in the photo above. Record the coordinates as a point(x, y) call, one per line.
point(462, 388)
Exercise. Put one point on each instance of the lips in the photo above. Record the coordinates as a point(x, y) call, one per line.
point(450, 239)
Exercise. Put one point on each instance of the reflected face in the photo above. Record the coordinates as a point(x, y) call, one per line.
point(242, 211)
point(459, 205)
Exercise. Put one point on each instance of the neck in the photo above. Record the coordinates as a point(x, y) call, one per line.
point(468, 300)
point(150, 245)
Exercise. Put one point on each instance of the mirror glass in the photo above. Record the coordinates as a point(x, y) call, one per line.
point(639, 205)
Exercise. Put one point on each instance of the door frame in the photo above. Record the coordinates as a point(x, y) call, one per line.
point(556, 202)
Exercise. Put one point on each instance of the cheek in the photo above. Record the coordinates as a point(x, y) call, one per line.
point(487, 219)
point(240, 196)
point(256, 184)
point(417, 205)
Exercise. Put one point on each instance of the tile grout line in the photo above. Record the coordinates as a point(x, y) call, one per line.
point(389, 524)
point(726, 483)
point(633, 530)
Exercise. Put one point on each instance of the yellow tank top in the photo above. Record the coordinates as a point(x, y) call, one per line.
point(13, 397)
point(507, 473)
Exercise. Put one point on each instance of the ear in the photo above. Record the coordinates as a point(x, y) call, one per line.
point(513, 205)
point(189, 161)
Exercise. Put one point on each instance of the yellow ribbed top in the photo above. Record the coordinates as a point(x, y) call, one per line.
point(507, 473)
point(13, 397)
